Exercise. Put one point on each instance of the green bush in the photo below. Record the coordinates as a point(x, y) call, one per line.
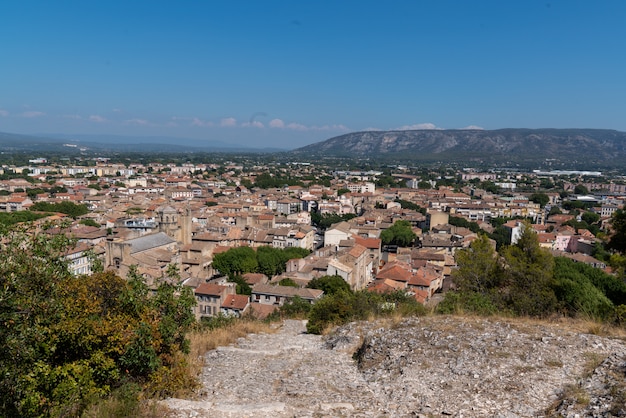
point(467, 302)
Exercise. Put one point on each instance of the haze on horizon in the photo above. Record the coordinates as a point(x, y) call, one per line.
point(287, 74)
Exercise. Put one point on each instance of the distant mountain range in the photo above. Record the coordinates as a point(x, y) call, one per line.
point(66, 143)
point(571, 147)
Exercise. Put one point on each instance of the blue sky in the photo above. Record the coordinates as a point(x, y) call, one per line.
point(289, 73)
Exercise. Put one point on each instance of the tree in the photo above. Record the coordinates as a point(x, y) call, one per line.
point(617, 241)
point(89, 222)
point(288, 282)
point(478, 269)
point(269, 261)
point(69, 208)
point(580, 189)
point(529, 273)
point(554, 210)
point(590, 217)
point(424, 185)
point(236, 261)
point(329, 284)
point(68, 340)
point(541, 198)
point(462, 222)
point(400, 233)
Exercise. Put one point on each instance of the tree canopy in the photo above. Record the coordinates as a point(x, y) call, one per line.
point(69, 208)
point(66, 341)
point(267, 260)
point(329, 284)
point(617, 242)
point(400, 233)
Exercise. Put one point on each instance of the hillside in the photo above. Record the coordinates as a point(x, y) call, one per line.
point(74, 144)
point(574, 147)
point(426, 367)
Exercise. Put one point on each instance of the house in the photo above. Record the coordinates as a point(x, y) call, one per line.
point(210, 297)
point(336, 233)
point(79, 260)
point(235, 305)
point(277, 295)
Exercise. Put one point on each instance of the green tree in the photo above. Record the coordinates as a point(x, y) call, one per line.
point(541, 198)
point(288, 282)
point(617, 240)
point(529, 273)
point(236, 261)
point(590, 217)
point(66, 341)
point(478, 269)
point(578, 294)
point(69, 208)
point(89, 222)
point(329, 284)
point(270, 262)
point(580, 189)
point(400, 233)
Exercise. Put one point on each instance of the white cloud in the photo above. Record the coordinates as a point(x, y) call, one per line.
point(138, 122)
point(277, 123)
point(372, 129)
point(32, 114)
point(297, 127)
point(254, 124)
point(228, 122)
point(418, 126)
point(198, 122)
point(473, 127)
point(97, 118)
point(4, 113)
point(116, 110)
point(330, 128)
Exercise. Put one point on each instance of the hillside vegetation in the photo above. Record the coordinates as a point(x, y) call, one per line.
point(591, 147)
point(66, 342)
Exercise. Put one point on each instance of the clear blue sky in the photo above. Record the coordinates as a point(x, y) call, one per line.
point(289, 73)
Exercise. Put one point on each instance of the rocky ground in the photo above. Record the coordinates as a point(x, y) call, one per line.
point(430, 367)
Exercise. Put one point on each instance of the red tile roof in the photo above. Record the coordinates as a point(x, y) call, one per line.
point(210, 289)
point(237, 302)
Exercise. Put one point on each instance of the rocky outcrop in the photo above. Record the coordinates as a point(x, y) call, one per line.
point(432, 366)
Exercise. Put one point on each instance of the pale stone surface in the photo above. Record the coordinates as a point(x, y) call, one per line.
point(433, 366)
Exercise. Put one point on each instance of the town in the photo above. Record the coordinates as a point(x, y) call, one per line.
point(381, 229)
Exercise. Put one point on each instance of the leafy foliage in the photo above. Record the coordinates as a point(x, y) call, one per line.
point(524, 279)
point(66, 341)
point(324, 221)
point(343, 307)
point(462, 222)
point(12, 218)
point(541, 198)
point(267, 260)
point(68, 208)
point(479, 268)
point(400, 233)
point(329, 284)
point(405, 204)
point(617, 241)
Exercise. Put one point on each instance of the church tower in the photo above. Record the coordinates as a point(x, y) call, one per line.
point(168, 221)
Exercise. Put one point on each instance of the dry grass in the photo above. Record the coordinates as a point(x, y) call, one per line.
point(206, 340)
point(592, 361)
point(554, 363)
